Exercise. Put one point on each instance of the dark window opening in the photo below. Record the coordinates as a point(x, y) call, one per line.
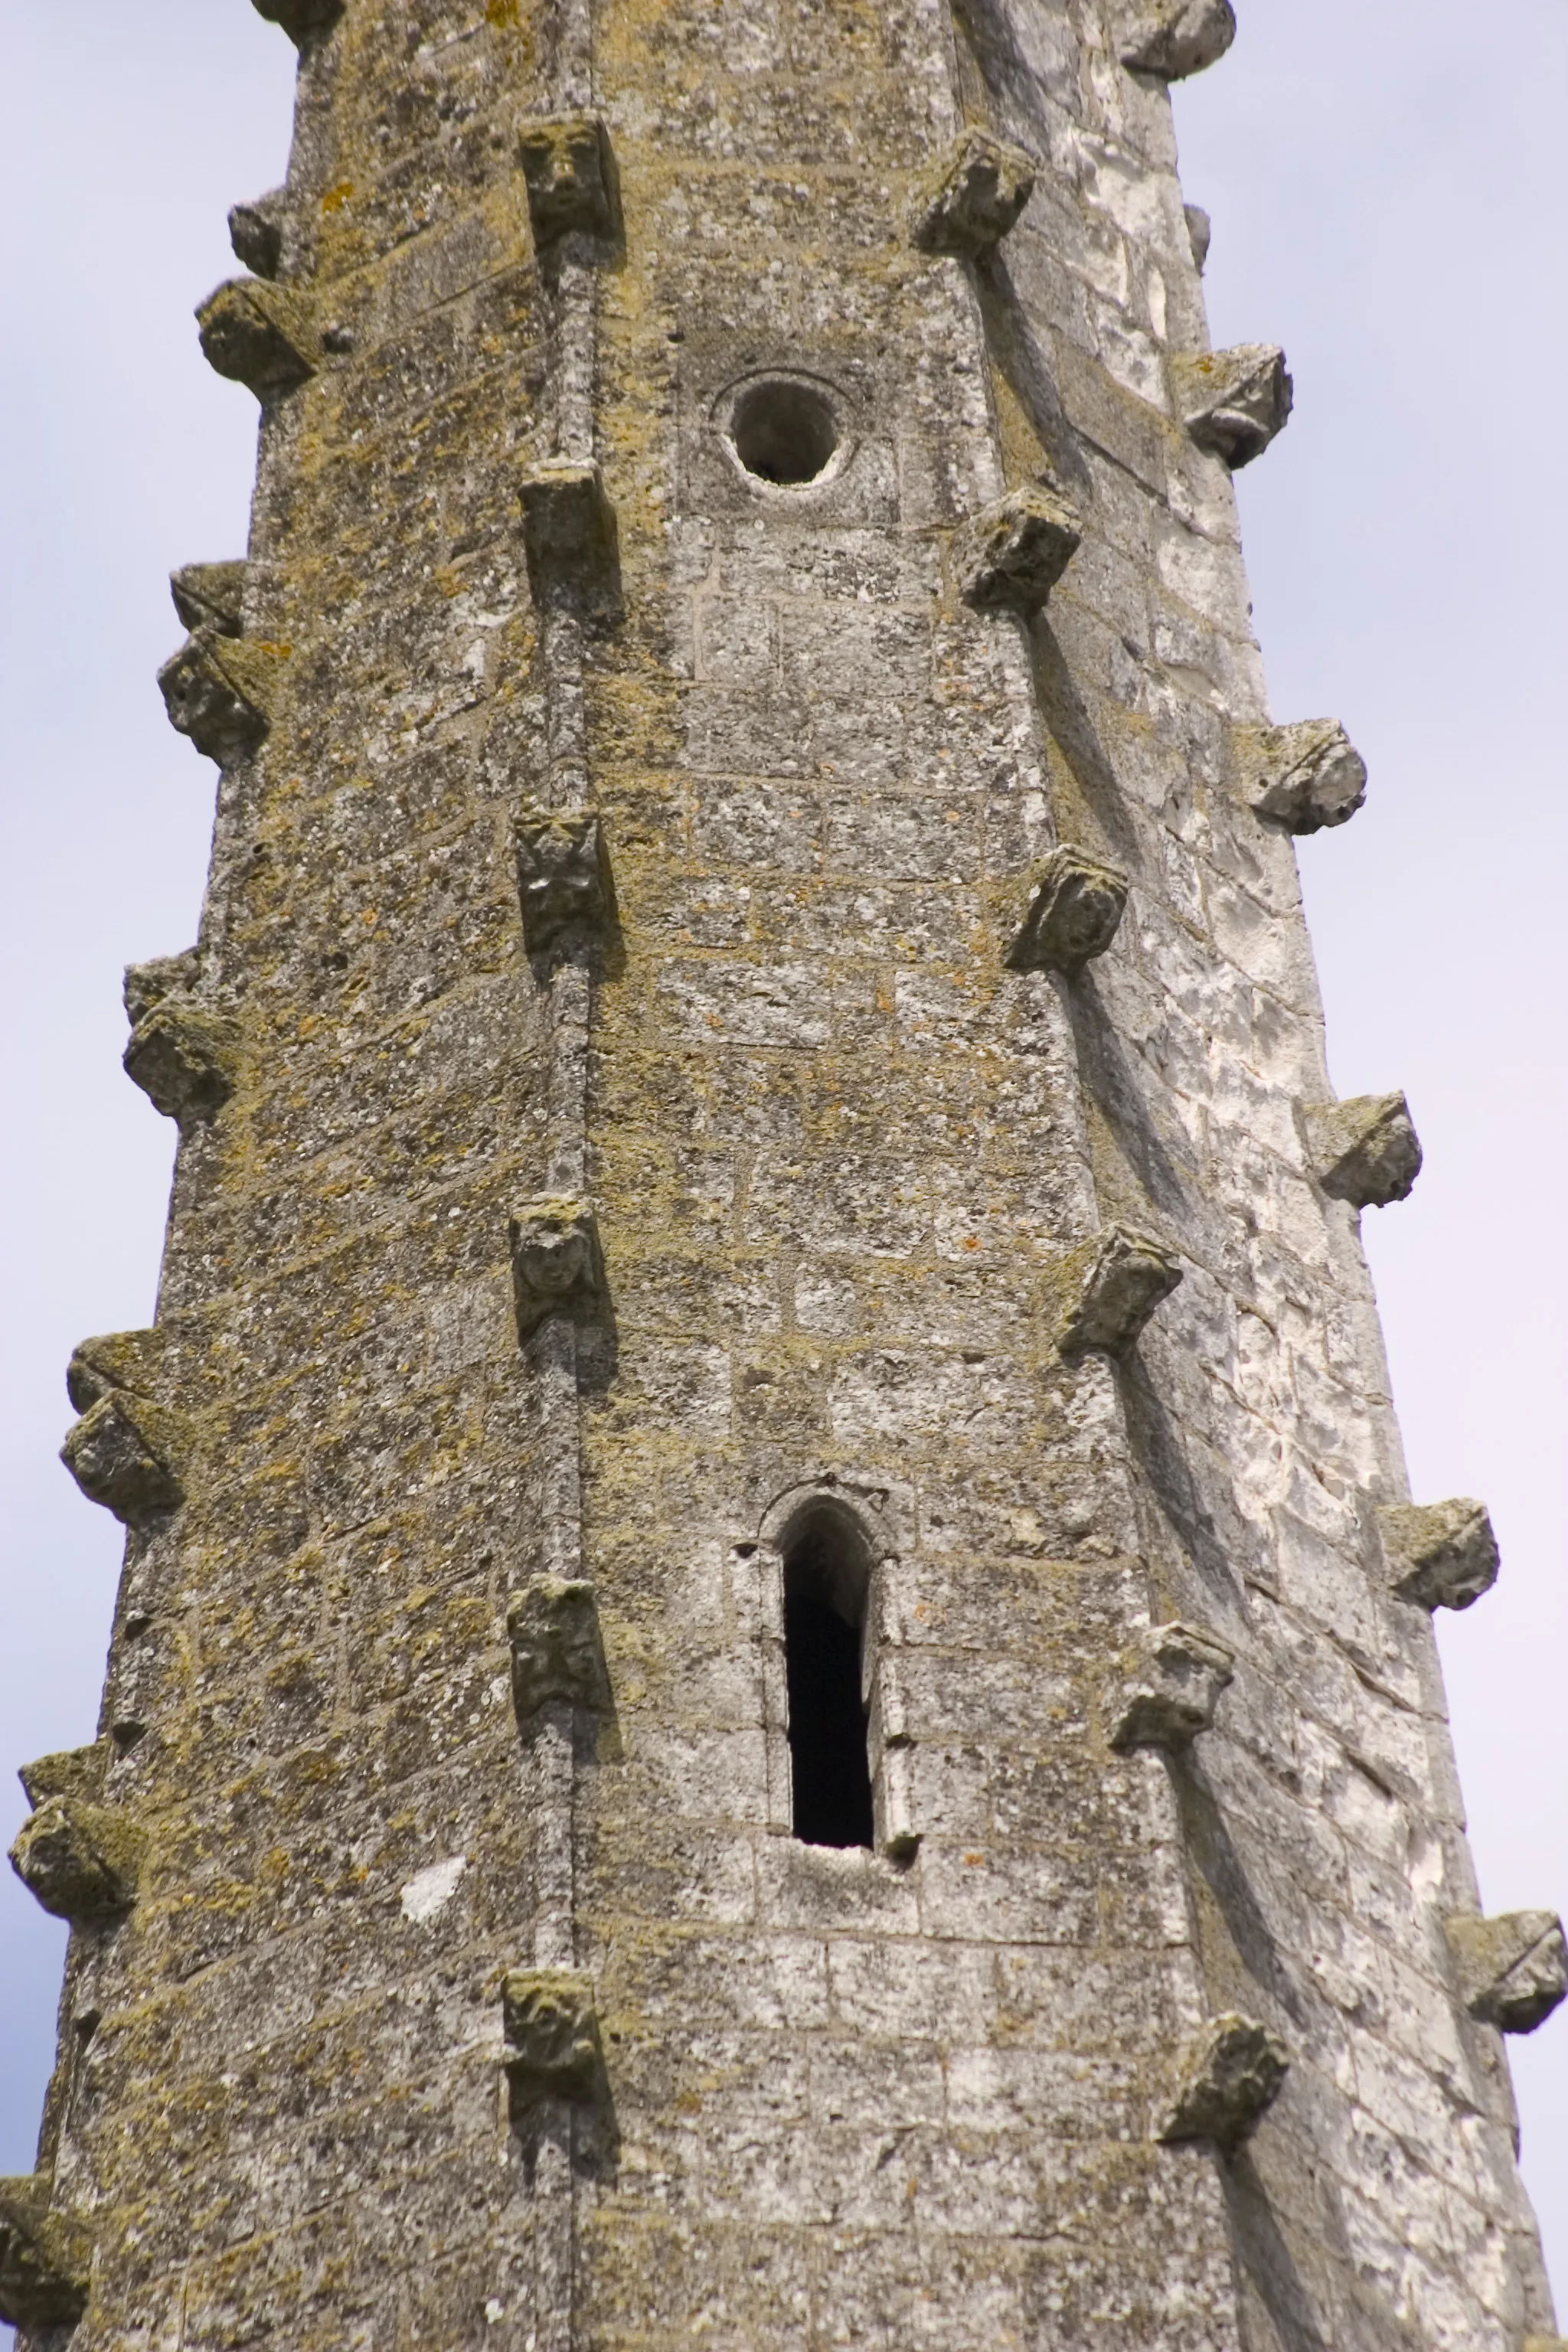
point(784, 432)
point(824, 1609)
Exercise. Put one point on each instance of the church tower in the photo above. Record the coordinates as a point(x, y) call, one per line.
point(774, 1686)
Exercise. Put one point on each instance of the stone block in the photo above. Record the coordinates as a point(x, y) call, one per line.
point(1200, 234)
point(1304, 776)
point(210, 596)
point(303, 20)
point(256, 232)
point(569, 173)
point(1364, 1150)
point(551, 2021)
point(556, 1265)
point(563, 875)
point(570, 535)
point(1230, 2075)
point(1233, 401)
point(1173, 1689)
point(117, 1453)
point(1114, 1283)
point(1177, 37)
point(257, 335)
point(214, 691)
point(1016, 550)
point(898, 1833)
point(1075, 910)
point(1512, 1971)
point(181, 1057)
point(80, 1860)
point(1440, 1555)
point(556, 1649)
point(70, 1772)
point(45, 2257)
point(976, 194)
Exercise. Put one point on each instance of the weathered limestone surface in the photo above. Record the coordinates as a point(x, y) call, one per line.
point(514, 1263)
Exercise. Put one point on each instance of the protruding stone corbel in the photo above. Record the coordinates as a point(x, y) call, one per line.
point(76, 1772)
point(556, 1265)
point(147, 984)
point(569, 171)
point(111, 1361)
point(1115, 1283)
point(562, 874)
point(46, 2258)
point(216, 689)
point(556, 1649)
point(1013, 552)
point(1512, 1971)
point(303, 20)
point(1075, 908)
point(1439, 1555)
point(1230, 2075)
point(1174, 39)
point(115, 1455)
point(1173, 1689)
point(1304, 776)
point(551, 2020)
point(211, 596)
point(255, 232)
point(1200, 234)
point(120, 1451)
point(1365, 1151)
point(570, 535)
point(976, 194)
point(1233, 401)
point(261, 336)
point(79, 1859)
point(182, 1056)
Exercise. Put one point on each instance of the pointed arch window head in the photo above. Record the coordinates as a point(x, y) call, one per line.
point(826, 1586)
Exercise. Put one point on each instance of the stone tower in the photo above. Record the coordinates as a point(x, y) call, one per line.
point(773, 1685)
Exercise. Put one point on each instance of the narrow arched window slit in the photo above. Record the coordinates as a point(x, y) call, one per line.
point(825, 1586)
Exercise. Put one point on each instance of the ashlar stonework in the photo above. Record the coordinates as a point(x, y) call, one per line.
point(774, 1680)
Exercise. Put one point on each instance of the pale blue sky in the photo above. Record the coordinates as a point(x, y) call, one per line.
point(1385, 187)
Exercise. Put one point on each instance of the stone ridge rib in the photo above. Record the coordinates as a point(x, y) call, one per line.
point(702, 610)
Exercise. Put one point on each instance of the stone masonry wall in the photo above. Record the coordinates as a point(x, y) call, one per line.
point(846, 1165)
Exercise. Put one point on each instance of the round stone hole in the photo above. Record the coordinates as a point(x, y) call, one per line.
point(784, 431)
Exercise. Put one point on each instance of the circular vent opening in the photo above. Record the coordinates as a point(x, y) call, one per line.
point(784, 432)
